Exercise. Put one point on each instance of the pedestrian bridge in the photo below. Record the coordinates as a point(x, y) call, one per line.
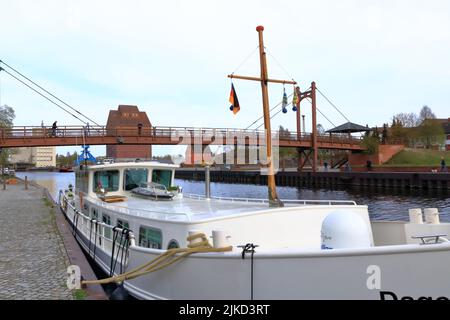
point(29, 136)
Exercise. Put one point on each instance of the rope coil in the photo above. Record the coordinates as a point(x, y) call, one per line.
point(163, 260)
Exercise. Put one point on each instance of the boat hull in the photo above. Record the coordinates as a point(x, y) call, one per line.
point(385, 272)
point(382, 273)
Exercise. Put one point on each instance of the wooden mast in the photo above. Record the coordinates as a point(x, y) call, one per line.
point(274, 201)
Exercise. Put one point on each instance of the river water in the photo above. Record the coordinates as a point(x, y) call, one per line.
point(383, 204)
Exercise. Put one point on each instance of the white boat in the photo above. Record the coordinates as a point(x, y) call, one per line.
point(304, 250)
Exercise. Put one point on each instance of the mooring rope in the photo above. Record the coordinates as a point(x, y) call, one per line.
point(164, 260)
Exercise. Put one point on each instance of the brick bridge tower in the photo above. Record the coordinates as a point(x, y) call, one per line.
point(128, 116)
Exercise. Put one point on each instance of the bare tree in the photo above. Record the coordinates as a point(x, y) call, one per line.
point(407, 120)
point(426, 113)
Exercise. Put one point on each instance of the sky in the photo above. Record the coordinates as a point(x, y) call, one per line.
point(372, 59)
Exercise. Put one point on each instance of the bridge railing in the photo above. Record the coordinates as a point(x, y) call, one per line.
point(30, 132)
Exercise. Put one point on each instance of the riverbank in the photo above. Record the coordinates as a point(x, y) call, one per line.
point(33, 259)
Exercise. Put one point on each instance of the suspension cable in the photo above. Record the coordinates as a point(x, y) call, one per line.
point(246, 59)
point(279, 64)
point(271, 117)
point(74, 109)
point(276, 112)
point(326, 117)
point(269, 113)
point(56, 104)
point(334, 106)
point(322, 114)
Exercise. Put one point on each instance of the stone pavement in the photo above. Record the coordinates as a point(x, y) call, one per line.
point(33, 260)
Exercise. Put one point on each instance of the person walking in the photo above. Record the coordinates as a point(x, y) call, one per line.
point(86, 129)
point(54, 127)
point(369, 165)
point(443, 165)
point(348, 168)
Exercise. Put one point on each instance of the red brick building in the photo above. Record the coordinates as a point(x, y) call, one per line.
point(131, 117)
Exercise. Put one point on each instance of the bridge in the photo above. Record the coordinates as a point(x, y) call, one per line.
point(37, 136)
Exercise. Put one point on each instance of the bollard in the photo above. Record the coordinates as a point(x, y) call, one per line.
point(26, 182)
point(431, 215)
point(415, 216)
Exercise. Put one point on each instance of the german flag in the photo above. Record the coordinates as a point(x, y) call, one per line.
point(234, 101)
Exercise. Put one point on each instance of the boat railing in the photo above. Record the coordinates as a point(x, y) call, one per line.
point(289, 201)
point(98, 233)
point(151, 213)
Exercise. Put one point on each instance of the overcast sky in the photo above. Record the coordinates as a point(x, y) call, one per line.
point(171, 58)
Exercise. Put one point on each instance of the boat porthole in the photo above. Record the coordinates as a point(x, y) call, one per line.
point(173, 244)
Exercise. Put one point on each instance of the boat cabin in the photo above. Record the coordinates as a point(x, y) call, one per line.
point(119, 179)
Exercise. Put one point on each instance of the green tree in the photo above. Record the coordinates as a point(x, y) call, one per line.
point(370, 142)
point(284, 152)
point(66, 161)
point(7, 116)
point(431, 131)
point(384, 134)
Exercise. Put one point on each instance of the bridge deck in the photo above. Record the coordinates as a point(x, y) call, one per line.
point(96, 135)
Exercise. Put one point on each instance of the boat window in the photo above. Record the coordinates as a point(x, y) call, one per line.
point(107, 220)
point(162, 177)
point(82, 180)
point(173, 244)
point(122, 224)
point(108, 180)
point(150, 238)
point(94, 214)
point(133, 178)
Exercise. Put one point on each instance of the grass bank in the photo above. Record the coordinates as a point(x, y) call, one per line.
point(419, 157)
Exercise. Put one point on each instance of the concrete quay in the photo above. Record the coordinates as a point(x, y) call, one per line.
point(36, 247)
point(33, 259)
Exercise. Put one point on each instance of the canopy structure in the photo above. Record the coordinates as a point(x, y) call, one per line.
point(349, 127)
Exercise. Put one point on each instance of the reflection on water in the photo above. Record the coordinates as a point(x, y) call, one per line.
point(383, 204)
point(53, 181)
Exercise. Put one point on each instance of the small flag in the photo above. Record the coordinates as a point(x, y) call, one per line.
point(234, 101)
point(296, 99)
point(285, 101)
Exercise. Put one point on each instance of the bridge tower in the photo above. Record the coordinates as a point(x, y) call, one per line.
point(128, 117)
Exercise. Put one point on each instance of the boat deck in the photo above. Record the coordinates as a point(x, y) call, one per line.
point(180, 209)
point(197, 208)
